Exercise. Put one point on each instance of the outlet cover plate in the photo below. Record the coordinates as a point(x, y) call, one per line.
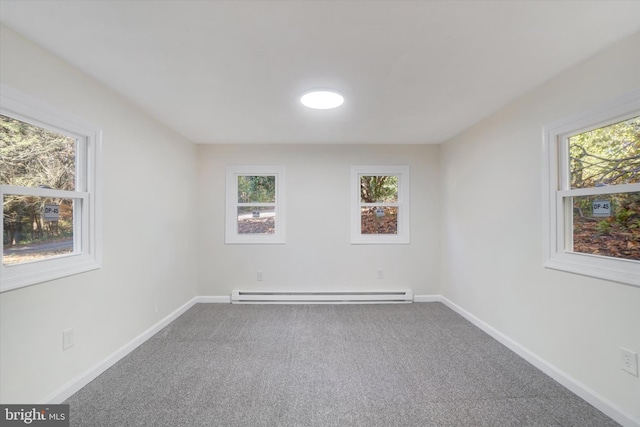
point(67, 339)
point(629, 361)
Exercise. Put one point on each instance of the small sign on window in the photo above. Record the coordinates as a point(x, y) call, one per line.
point(256, 214)
point(51, 212)
point(379, 212)
point(601, 208)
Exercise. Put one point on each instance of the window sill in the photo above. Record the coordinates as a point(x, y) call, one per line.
point(616, 270)
point(380, 240)
point(31, 273)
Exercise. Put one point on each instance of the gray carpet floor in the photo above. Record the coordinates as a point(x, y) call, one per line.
point(415, 364)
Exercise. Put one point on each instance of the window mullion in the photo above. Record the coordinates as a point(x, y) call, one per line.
point(42, 192)
point(239, 204)
point(560, 224)
point(566, 205)
point(81, 180)
point(564, 159)
point(391, 205)
point(594, 191)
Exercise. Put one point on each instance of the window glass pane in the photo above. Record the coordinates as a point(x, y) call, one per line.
point(36, 157)
point(379, 189)
point(256, 189)
point(606, 156)
point(379, 220)
point(256, 220)
point(36, 228)
point(607, 225)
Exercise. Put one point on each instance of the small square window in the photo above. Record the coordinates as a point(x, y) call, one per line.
point(255, 208)
point(380, 204)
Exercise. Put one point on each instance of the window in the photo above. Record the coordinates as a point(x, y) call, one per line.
point(592, 186)
point(380, 204)
point(255, 204)
point(48, 190)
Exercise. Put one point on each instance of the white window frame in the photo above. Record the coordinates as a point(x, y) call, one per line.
point(86, 211)
point(557, 190)
point(231, 222)
point(404, 206)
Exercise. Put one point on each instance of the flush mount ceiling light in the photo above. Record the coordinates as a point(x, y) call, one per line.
point(322, 99)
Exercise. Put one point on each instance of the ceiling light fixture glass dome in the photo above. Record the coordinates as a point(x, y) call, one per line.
point(322, 99)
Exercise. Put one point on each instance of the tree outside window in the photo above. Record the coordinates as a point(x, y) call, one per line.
point(380, 205)
point(606, 224)
point(255, 205)
point(34, 157)
point(49, 177)
point(592, 191)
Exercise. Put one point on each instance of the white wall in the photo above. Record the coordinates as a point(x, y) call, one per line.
point(318, 254)
point(492, 235)
point(148, 246)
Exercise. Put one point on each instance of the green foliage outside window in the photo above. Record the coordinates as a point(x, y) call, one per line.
point(31, 156)
point(603, 157)
point(257, 189)
point(379, 189)
point(606, 156)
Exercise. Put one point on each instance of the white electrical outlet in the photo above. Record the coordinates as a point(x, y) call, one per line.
point(380, 274)
point(260, 276)
point(629, 361)
point(68, 340)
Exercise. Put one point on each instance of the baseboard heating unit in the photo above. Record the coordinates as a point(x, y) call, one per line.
point(373, 297)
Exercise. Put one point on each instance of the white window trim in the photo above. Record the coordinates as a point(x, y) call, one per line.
point(231, 220)
point(556, 187)
point(88, 241)
point(404, 206)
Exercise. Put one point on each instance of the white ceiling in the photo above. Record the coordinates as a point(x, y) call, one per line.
point(233, 71)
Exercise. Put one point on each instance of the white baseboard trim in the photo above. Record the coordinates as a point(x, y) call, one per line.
point(72, 386)
point(584, 392)
point(427, 298)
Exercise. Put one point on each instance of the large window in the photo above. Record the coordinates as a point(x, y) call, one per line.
point(380, 204)
point(255, 204)
point(48, 191)
point(592, 181)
